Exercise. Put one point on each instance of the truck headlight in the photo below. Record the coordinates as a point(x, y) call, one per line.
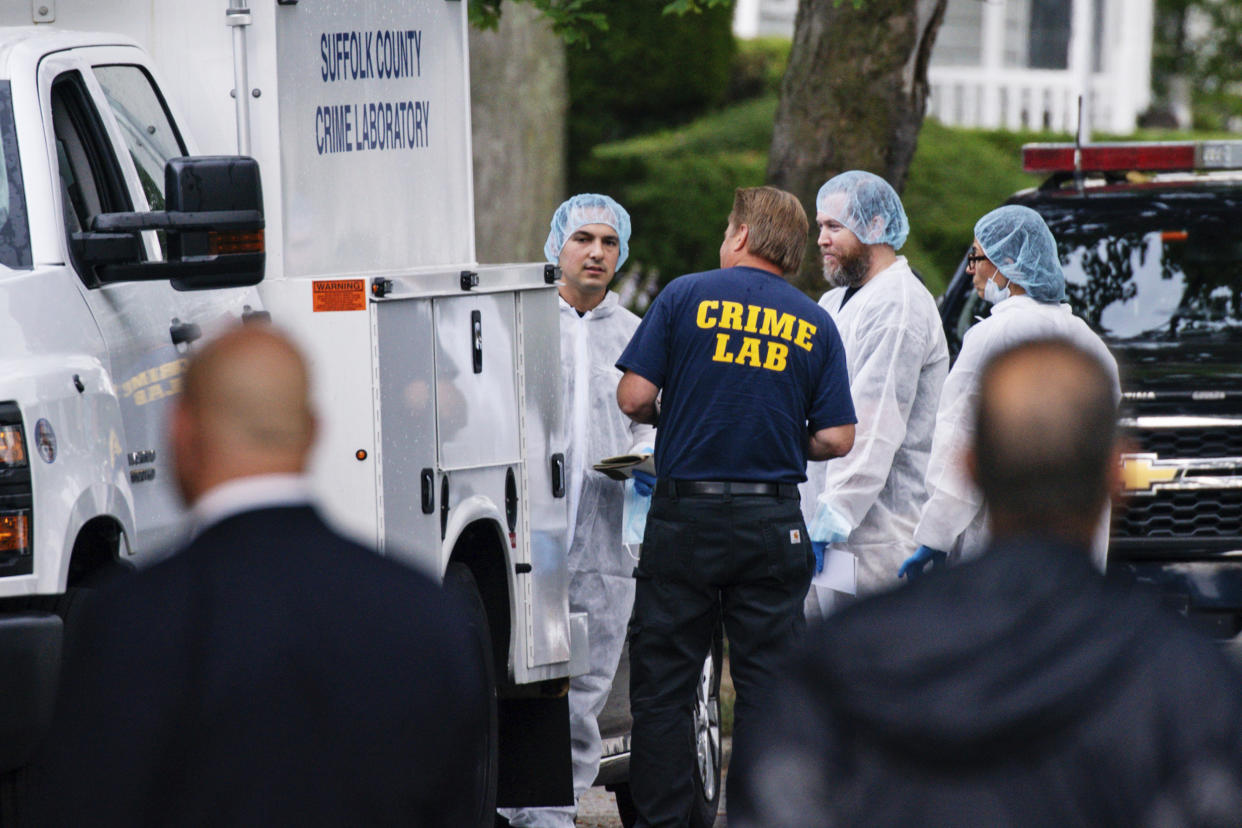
point(12, 447)
point(15, 532)
point(16, 495)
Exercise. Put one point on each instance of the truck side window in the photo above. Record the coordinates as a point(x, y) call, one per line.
point(88, 168)
point(14, 227)
point(90, 178)
point(149, 132)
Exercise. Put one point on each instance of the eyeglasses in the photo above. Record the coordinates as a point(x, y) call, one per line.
point(972, 258)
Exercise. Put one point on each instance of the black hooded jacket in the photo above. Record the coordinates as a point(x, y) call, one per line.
point(1020, 689)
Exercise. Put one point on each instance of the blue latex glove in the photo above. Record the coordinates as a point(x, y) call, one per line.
point(828, 525)
point(644, 484)
point(913, 567)
point(819, 547)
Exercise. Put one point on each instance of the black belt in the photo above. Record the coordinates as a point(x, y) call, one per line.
point(689, 488)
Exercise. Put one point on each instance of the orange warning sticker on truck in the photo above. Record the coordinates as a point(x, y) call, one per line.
point(339, 295)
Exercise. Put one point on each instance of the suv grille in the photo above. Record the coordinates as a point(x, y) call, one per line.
point(1172, 443)
point(1215, 514)
point(1175, 510)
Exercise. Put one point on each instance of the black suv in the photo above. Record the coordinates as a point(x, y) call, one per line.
point(1150, 237)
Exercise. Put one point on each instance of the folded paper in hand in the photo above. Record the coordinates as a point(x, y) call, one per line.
point(623, 466)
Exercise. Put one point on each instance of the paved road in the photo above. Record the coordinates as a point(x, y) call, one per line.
point(598, 807)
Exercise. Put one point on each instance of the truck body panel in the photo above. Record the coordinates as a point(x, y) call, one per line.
point(437, 381)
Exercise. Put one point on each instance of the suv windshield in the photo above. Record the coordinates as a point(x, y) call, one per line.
point(1160, 284)
point(1141, 267)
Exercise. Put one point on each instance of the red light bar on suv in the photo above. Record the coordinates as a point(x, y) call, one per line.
point(1161, 156)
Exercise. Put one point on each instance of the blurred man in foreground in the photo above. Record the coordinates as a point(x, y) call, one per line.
point(1020, 688)
point(271, 672)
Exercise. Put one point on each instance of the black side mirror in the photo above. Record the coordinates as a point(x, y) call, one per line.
point(213, 226)
point(226, 187)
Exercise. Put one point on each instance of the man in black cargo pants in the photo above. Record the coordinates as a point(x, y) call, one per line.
point(754, 383)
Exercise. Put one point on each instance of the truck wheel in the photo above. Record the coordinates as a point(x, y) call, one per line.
point(16, 784)
point(459, 580)
point(707, 748)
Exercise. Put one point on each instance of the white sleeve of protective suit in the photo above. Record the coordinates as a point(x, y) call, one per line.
point(642, 437)
point(883, 383)
point(953, 500)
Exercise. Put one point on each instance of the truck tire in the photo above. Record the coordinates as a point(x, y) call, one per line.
point(707, 743)
point(459, 581)
point(17, 785)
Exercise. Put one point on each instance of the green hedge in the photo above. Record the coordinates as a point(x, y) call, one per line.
point(678, 186)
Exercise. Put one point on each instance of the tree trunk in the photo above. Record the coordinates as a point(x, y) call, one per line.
point(519, 97)
point(853, 96)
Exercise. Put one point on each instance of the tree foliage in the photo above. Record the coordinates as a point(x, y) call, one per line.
point(643, 74)
point(1200, 41)
point(853, 96)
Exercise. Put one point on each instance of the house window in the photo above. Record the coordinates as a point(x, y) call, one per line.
point(1049, 34)
point(960, 40)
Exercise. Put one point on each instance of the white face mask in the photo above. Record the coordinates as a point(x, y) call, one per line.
point(994, 293)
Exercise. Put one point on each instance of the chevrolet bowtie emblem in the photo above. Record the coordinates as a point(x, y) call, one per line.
point(1143, 472)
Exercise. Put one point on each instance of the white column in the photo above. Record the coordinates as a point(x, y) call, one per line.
point(746, 18)
point(1080, 58)
point(992, 62)
point(1133, 20)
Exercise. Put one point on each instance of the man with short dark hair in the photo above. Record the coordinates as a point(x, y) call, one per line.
point(1021, 688)
point(589, 238)
point(754, 384)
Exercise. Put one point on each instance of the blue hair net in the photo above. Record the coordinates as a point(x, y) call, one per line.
point(1019, 243)
point(584, 209)
point(867, 205)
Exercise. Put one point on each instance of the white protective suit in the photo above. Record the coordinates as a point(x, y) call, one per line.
point(601, 581)
point(954, 519)
point(897, 359)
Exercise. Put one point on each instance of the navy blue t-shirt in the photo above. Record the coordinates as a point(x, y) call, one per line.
point(748, 365)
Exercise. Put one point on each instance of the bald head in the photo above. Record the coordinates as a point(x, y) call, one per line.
point(244, 410)
point(1045, 441)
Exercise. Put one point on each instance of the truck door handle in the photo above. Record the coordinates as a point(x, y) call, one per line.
point(558, 475)
point(184, 332)
point(429, 491)
point(476, 340)
point(250, 315)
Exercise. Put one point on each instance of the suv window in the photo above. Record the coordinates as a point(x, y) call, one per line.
point(144, 120)
point(1169, 271)
point(1149, 269)
point(14, 228)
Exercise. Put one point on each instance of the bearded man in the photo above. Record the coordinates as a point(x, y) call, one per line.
point(866, 504)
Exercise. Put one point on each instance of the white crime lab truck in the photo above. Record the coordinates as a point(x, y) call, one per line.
point(170, 168)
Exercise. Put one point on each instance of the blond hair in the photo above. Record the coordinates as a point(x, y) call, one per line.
point(778, 225)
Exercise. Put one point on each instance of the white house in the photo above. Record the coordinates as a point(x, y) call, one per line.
point(1023, 63)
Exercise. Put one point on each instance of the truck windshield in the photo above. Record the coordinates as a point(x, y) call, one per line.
point(1172, 283)
point(14, 229)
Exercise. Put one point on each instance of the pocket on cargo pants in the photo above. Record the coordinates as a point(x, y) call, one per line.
point(789, 550)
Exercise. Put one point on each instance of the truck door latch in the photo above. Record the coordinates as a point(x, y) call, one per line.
point(558, 475)
point(469, 279)
point(476, 340)
point(184, 332)
point(428, 485)
point(250, 315)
